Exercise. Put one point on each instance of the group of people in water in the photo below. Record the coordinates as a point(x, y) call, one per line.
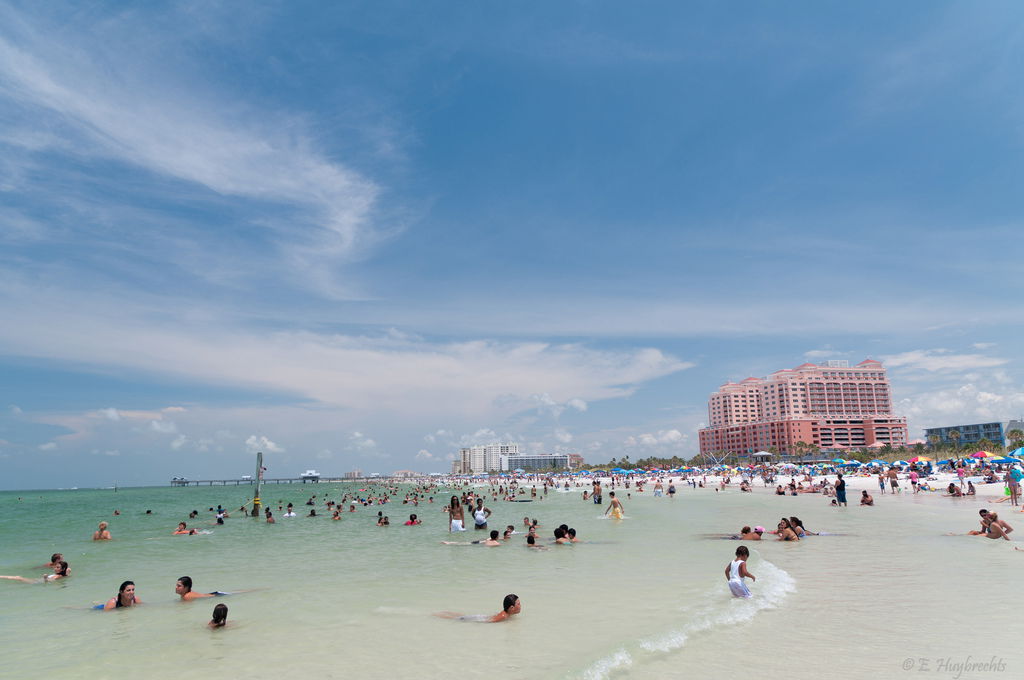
point(126, 597)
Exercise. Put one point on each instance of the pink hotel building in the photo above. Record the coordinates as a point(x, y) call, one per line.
point(832, 407)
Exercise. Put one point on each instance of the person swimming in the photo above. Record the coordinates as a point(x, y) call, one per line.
point(220, 616)
point(183, 588)
point(510, 606)
point(60, 570)
point(491, 541)
point(125, 597)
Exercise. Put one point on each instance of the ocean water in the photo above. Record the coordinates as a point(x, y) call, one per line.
point(644, 597)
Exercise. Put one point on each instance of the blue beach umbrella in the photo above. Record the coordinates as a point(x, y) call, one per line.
point(901, 462)
point(838, 460)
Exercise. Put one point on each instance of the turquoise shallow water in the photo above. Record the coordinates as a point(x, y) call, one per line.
point(643, 598)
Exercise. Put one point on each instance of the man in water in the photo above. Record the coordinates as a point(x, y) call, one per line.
point(865, 498)
point(596, 495)
point(491, 542)
point(614, 507)
point(510, 606)
point(183, 588)
point(840, 490)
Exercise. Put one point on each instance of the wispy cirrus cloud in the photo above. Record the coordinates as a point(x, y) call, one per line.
point(934, 360)
point(101, 97)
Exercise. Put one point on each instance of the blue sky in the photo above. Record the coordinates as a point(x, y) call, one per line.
point(364, 235)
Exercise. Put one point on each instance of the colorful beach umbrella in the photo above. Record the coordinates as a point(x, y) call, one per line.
point(920, 459)
point(983, 454)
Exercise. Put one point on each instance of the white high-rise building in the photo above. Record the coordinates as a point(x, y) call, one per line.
point(486, 458)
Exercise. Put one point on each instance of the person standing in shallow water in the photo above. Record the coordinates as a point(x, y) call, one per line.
point(101, 534)
point(736, 571)
point(614, 507)
point(840, 490)
point(456, 515)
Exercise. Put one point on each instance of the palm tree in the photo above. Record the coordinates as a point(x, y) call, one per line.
point(934, 440)
point(800, 448)
point(955, 436)
point(1016, 438)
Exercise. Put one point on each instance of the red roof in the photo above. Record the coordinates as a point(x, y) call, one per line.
point(869, 361)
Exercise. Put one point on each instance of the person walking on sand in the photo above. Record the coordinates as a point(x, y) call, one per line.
point(736, 571)
point(1013, 477)
point(614, 506)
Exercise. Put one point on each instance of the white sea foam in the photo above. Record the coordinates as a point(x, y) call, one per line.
point(604, 667)
point(720, 610)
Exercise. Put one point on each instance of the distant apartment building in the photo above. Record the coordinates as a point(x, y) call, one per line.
point(355, 474)
point(535, 462)
point(969, 434)
point(486, 458)
point(832, 406)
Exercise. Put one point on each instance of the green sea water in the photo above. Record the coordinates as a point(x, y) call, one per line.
point(644, 597)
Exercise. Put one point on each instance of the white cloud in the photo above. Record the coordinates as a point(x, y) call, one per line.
point(15, 409)
point(163, 426)
point(822, 353)
point(563, 436)
point(48, 446)
point(940, 360)
point(179, 442)
point(660, 438)
point(983, 345)
point(481, 379)
point(111, 414)
point(255, 444)
point(965, 404)
point(137, 112)
point(577, 404)
point(423, 454)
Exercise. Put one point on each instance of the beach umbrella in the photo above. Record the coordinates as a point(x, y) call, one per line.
point(983, 454)
point(878, 461)
point(920, 459)
point(901, 462)
point(1016, 453)
point(838, 460)
point(1013, 459)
